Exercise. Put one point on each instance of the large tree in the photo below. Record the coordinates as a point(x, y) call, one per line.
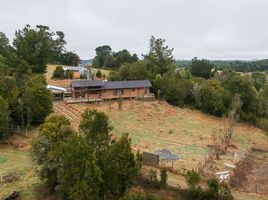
point(38, 46)
point(160, 55)
point(101, 54)
point(201, 68)
point(70, 58)
point(55, 130)
point(244, 86)
point(37, 100)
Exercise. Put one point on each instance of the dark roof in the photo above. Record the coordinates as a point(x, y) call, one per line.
point(127, 84)
point(87, 83)
point(112, 84)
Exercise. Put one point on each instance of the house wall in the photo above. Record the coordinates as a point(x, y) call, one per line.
point(112, 94)
point(127, 93)
point(76, 74)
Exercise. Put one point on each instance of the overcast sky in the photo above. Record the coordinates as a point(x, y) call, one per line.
point(213, 29)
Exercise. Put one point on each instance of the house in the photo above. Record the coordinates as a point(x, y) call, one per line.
point(77, 71)
point(91, 90)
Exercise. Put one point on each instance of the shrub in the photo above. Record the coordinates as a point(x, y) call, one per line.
point(163, 177)
point(98, 74)
point(192, 178)
point(58, 72)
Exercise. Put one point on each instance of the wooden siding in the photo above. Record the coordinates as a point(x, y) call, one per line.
point(111, 94)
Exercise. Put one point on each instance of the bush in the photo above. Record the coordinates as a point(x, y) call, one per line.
point(98, 74)
point(163, 177)
point(192, 178)
point(58, 72)
point(153, 181)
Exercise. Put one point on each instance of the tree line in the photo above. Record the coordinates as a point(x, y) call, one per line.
point(200, 85)
point(24, 99)
point(236, 65)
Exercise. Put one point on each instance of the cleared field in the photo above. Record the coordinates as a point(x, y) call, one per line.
point(158, 125)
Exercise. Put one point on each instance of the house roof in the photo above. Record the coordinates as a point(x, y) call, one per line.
point(87, 83)
point(126, 84)
point(112, 84)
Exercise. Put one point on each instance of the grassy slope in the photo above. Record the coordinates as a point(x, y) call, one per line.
point(151, 125)
point(19, 161)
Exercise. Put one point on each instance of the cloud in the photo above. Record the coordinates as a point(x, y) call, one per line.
point(214, 29)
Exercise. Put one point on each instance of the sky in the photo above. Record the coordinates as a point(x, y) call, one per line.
point(211, 29)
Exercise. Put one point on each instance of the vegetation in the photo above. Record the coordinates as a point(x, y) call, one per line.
point(58, 73)
point(89, 165)
point(201, 68)
point(214, 190)
point(24, 99)
point(106, 58)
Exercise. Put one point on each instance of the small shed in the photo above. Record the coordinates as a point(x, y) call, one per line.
point(167, 156)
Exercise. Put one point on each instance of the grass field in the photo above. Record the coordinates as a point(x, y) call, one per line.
point(18, 161)
point(152, 126)
point(157, 125)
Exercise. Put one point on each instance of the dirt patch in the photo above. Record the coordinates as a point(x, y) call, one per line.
point(251, 173)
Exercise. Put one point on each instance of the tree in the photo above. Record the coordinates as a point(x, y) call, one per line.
point(4, 119)
point(134, 71)
point(160, 55)
point(258, 79)
point(70, 58)
point(52, 132)
point(118, 164)
point(38, 46)
point(214, 99)
point(96, 126)
point(58, 72)
point(121, 169)
point(243, 86)
point(201, 68)
point(263, 102)
point(98, 74)
point(4, 69)
point(37, 99)
point(101, 53)
point(175, 89)
point(23, 72)
point(78, 174)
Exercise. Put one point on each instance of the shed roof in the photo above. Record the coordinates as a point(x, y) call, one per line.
point(75, 68)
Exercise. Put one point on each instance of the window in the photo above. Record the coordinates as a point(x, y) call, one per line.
point(122, 92)
point(93, 92)
point(133, 89)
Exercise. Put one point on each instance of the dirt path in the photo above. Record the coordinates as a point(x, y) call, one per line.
point(73, 115)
